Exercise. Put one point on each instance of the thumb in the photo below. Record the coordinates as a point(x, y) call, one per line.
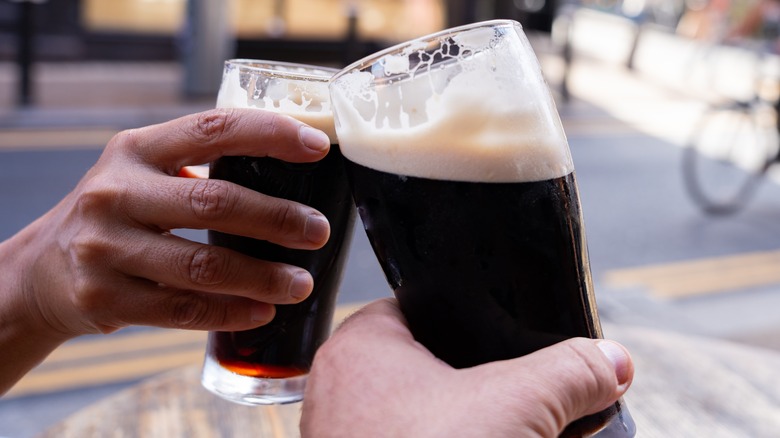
point(552, 387)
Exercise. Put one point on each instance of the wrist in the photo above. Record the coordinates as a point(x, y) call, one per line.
point(25, 335)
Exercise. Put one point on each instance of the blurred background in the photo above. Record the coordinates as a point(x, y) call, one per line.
point(631, 79)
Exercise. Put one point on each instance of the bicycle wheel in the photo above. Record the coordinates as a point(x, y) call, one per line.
point(728, 154)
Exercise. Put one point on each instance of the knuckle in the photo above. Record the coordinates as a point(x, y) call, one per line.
point(597, 380)
point(205, 266)
point(88, 256)
point(272, 122)
point(189, 311)
point(213, 123)
point(580, 383)
point(86, 295)
point(129, 139)
point(277, 283)
point(99, 195)
point(89, 296)
point(88, 250)
point(211, 199)
point(286, 218)
point(270, 283)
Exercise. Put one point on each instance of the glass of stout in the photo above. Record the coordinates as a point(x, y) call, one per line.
point(464, 182)
point(270, 364)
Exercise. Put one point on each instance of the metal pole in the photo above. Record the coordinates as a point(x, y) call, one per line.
point(208, 42)
point(24, 53)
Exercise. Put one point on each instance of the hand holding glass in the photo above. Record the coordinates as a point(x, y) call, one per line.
point(463, 179)
point(270, 364)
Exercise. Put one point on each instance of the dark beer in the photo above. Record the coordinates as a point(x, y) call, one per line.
point(270, 364)
point(483, 271)
point(285, 347)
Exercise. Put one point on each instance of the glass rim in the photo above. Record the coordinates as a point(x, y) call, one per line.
point(372, 58)
point(267, 67)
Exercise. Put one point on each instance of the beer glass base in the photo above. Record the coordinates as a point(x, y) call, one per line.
point(251, 390)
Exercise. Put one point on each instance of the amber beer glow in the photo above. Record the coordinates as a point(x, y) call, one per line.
point(285, 347)
point(464, 183)
point(269, 364)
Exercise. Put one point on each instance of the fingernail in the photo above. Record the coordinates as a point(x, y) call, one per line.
point(619, 357)
point(301, 285)
point(314, 139)
point(317, 229)
point(262, 312)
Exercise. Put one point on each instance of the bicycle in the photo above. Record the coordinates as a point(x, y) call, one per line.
point(730, 151)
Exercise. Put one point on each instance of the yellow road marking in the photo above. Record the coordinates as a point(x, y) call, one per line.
point(704, 276)
point(44, 139)
point(599, 126)
point(109, 346)
point(122, 357)
point(102, 373)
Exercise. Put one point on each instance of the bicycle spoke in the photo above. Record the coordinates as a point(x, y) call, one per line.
point(727, 156)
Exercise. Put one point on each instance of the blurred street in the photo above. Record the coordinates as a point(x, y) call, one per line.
point(656, 259)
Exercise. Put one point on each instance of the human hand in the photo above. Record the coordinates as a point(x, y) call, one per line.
point(373, 379)
point(105, 258)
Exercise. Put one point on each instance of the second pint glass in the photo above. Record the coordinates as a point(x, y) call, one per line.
point(270, 364)
point(462, 175)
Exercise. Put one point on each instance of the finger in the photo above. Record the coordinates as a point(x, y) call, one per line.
point(373, 360)
point(198, 203)
point(562, 383)
point(380, 324)
point(204, 137)
point(140, 302)
point(383, 316)
point(183, 264)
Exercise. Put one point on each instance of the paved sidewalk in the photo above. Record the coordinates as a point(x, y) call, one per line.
point(98, 94)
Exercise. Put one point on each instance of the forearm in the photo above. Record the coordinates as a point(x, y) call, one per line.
point(24, 338)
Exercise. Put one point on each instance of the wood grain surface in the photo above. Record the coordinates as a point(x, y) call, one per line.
point(684, 387)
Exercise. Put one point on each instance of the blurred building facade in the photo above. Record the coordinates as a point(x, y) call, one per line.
point(200, 34)
point(153, 29)
point(305, 30)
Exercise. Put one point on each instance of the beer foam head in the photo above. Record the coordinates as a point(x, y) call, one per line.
point(469, 104)
point(297, 90)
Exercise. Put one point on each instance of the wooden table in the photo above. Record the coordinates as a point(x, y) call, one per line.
point(685, 386)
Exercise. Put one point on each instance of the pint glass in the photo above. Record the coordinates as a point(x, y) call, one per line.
point(270, 364)
point(463, 179)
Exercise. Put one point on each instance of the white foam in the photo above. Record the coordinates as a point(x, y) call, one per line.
point(307, 101)
point(489, 119)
